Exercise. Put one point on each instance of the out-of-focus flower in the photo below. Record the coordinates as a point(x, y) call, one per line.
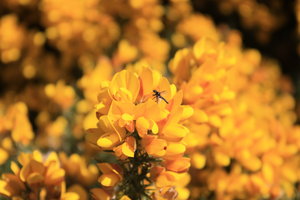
point(78, 190)
point(51, 133)
point(241, 120)
point(80, 27)
point(61, 94)
point(94, 78)
point(197, 26)
point(205, 68)
point(153, 47)
point(11, 38)
point(125, 53)
point(77, 169)
point(15, 128)
point(16, 121)
point(39, 177)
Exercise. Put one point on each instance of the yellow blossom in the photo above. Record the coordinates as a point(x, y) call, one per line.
point(143, 120)
point(12, 38)
point(76, 167)
point(38, 174)
point(61, 94)
point(111, 174)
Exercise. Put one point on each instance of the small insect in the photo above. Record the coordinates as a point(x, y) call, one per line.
point(157, 95)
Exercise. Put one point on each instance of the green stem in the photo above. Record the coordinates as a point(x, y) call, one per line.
point(135, 172)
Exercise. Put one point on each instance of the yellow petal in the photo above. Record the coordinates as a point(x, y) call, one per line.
point(92, 136)
point(90, 120)
point(108, 140)
point(14, 167)
point(54, 175)
point(100, 194)
point(105, 167)
point(199, 116)
point(166, 179)
point(147, 78)
point(154, 128)
point(180, 164)
point(174, 132)
point(7, 143)
point(126, 52)
point(108, 180)
point(106, 124)
point(109, 168)
point(188, 111)
point(4, 189)
point(24, 173)
point(70, 195)
point(183, 193)
point(129, 147)
point(3, 156)
point(155, 147)
point(215, 120)
point(52, 158)
point(289, 174)
point(142, 126)
point(125, 86)
point(37, 167)
point(175, 149)
point(198, 160)
point(268, 172)
point(127, 117)
point(79, 190)
point(221, 158)
point(35, 178)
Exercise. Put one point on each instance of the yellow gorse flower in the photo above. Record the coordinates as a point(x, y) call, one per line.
point(15, 129)
point(11, 38)
point(61, 94)
point(77, 168)
point(241, 120)
point(140, 121)
point(38, 177)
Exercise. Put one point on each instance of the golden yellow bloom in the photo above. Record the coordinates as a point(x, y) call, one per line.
point(81, 25)
point(15, 128)
point(126, 149)
point(51, 132)
point(111, 174)
point(38, 177)
point(221, 82)
point(61, 94)
point(11, 38)
point(17, 122)
point(125, 53)
point(197, 26)
point(93, 78)
point(79, 191)
point(143, 119)
point(77, 168)
point(180, 164)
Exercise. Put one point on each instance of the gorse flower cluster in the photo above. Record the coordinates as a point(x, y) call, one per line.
point(242, 140)
point(136, 100)
point(144, 131)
